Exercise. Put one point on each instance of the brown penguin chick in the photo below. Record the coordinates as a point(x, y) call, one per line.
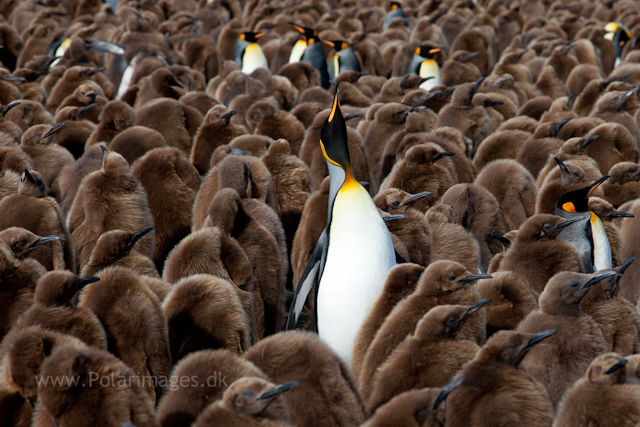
point(629, 286)
point(569, 177)
point(562, 61)
point(514, 188)
point(166, 174)
point(401, 281)
point(134, 142)
point(31, 209)
point(503, 144)
point(249, 401)
point(614, 145)
point(135, 323)
point(124, 207)
point(178, 123)
point(55, 308)
point(216, 130)
point(228, 213)
point(414, 232)
point(535, 245)
point(538, 147)
point(72, 78)
point(9, 183)
point(205, 312)
point(122, 399)
point(496, 380)
point(418, 171)
point(71, 176)
point(162, 83)
point(447, 239)
point(291, 186)
point(212, 371)
point(73, 136)
point(477, 210)
point(580, 76)
point(549, 84)
point(536, 107)
point(572, 152)
point(18, 281)
point(83, 96)
point(289, 356)
point(28, 113)
point(564, 358)
point(611, 107)
point(23, 242)
point(115, 117)
point(48, 158)
point(512, 300)
point(116, 248)
point(623, 184)
point(443, 282)
point(415, 408)
point(472, 120)
point(608, 214)
point(602, 396)
point(617, 318)
point(264, 119)
point(311, 152)
point(430, 357)
point(458, 69)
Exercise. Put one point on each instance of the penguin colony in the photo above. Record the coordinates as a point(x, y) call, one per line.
point(319, 213)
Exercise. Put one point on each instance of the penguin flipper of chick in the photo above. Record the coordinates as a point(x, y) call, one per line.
point(310, 279)
point(104, 46)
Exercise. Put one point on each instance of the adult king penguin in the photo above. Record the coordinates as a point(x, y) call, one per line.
point(309, 49)
point(353, 255)
point(344, 59)
point(424, 65)
point(248, 54)
point(591, 239)
point(619, 34)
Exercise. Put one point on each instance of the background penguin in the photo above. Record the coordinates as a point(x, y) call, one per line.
point(619, 34)
point(249, 401)
point(344, 59)
point(611, 219)
point(312, 53)
point(205, 312)
point(567, 177)
point(424, 65)
point(71, 176)
point(22, 242)
point(115, 117)
point(135, 141)
point(556, 364)
point(588, 235)
point(434, 340)
point(348, 202)
point(57, 402)
point(134, 322)
point(289, 356)
point(535, 244)
point(623, 184)
point(395, 11)
point(601, 396)
point(55, 308)
point(248, 53)
point(495, 381)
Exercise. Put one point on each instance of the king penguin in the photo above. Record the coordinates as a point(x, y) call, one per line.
point(590, 239)
point(395, 12)
point(248, 54)
point(309, 49)
point(344, 59)
point(619, 34)
point(425, 66)
point(353, 255)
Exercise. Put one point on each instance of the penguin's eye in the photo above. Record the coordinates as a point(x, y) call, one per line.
point(574, 285)
point(238, 402)
point(452, 321)
point(395, 203)
point(451, 277)
point(513, 348)
point(546, 229)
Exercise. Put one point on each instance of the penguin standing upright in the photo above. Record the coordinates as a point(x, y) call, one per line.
point(349, 264)
point(395, 12)
point(590, 239)
point(425, 66)
point(344, 59)
point(248, 54)
point(619, 34)
point(309, 49)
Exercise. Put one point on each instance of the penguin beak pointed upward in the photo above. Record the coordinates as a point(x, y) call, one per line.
point(596, 184)
point(333, 136)
point(595, 279)
point(475, 307)
point(537, 339)
point(617, 366)
point(446, 390)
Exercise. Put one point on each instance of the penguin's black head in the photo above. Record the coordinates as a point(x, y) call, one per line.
point(310, 35)
point(338, 45)
point(333, 136)
point(578, 201)
point(427, 51)
point(394, 5)
point(619, 34)
point(250, 36)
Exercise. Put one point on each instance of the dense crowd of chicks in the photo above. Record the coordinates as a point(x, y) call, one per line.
point(161, 196)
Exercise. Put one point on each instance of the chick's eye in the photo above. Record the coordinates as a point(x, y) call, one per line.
point(395, 203)
point(452, 321)
point(238, 402)
point(513, 348)
point(451, 277)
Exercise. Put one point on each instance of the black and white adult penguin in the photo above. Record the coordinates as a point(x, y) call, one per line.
point(344, 59)
point(309, 49)
point(395, 12)
point(590, 238)
point(59, 46)
point(619, 34)
point(424, 65)
point(353, 255)
point(248, 54)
